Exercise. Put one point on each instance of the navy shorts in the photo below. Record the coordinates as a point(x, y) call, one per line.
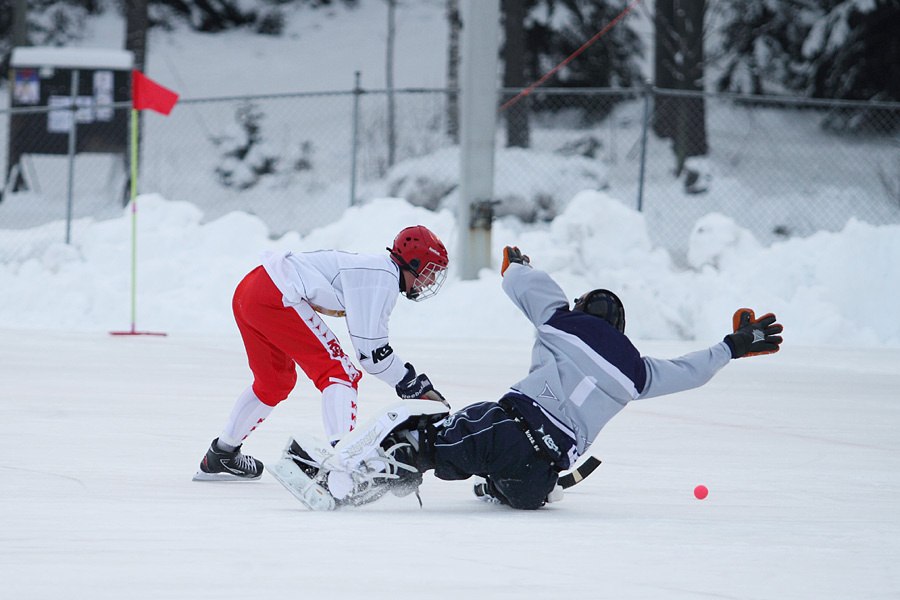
point(482, 439)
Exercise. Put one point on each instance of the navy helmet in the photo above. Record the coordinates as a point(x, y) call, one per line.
point(603, 304)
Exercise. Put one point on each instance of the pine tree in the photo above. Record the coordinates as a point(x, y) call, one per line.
point(854, 51)
point(611, 61)
point(761, 46)
point(837, 49)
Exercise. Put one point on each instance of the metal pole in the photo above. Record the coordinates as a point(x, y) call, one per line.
point(478, 118)
point(357, 92)
point(389, 73)
point(72, 143)
point(648, 90)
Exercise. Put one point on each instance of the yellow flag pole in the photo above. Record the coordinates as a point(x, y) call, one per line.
point(134, 179)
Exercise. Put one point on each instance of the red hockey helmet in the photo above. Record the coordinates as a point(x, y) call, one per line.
point(419, 251)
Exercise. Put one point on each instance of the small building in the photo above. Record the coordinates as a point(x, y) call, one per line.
point(53, 80)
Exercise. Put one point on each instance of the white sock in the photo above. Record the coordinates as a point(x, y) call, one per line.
point(248, 412)
point(338, 410)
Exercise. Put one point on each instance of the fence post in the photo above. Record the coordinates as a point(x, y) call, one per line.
point(357, 92)
point(72, 146)
point(648, 92)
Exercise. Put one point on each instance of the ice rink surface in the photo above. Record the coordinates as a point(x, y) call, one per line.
point(102, 434)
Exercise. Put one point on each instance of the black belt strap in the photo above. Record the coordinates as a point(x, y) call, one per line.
point(540, 446)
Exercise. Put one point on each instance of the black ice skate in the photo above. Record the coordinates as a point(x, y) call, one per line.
point(300, 456)
point(487, 492)
point(219, 465)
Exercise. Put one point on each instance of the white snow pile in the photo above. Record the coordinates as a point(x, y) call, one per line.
point(830, 289)
point(532, 185)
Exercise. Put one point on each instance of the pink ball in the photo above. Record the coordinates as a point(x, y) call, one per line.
point(700, 492)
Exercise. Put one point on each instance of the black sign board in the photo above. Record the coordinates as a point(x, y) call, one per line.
point(43, 78)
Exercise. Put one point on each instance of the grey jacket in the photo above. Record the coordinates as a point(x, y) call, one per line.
point(584, 371)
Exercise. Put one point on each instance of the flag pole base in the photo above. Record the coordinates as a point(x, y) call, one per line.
point(134, 332)
point(137, 333)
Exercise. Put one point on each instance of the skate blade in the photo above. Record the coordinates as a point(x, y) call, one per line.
point(298, 483)
point(223, 477)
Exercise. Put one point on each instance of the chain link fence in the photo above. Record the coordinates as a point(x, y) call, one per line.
point(778, 167)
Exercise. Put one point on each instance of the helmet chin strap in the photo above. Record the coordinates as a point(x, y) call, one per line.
point(405, 266)
point(410, 292)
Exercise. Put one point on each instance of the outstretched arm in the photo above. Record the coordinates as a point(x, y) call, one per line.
point(685, 372)
point(751, 337)
point(533, 291)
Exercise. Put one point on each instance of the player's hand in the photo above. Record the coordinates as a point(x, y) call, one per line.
point(414, 386)
point(511, 254)
point(753, 336)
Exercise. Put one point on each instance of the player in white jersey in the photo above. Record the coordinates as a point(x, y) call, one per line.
point(278, 308)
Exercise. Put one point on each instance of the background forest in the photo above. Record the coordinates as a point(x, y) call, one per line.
point(835, 49)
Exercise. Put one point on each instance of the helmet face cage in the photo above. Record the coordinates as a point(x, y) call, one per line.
point(603, 304)
point(417, 246)
point(427, 284)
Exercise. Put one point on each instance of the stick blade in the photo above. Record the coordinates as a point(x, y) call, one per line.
point(576, 475)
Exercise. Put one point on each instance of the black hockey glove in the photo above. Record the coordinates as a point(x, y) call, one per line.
point(753, 336)
point(414, 386)
point(511, 254)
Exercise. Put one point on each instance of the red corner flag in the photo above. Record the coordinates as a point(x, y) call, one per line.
point(146, 93)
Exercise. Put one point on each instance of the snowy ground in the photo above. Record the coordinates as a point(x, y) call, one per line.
point(799, 450)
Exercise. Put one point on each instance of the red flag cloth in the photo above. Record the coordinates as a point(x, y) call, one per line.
point(146, 93)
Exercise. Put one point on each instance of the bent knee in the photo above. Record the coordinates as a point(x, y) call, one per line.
point(274, 390)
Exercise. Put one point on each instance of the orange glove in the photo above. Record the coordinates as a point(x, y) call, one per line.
point(753, 336)
point(511, 254)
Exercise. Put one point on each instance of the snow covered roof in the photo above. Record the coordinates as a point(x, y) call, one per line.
point(73, 58)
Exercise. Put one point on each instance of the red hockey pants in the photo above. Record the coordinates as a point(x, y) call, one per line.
point(276, 337)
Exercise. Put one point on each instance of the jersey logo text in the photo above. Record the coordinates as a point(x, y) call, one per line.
point(382, 353)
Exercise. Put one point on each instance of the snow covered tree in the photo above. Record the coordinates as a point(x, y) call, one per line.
point(853, 51)
point(844, 49)
point(203, 15)
point(555, 29)
point(48, 23)
point(612, 60)
point(761, 45)
point(833, 49)
point(218, 15)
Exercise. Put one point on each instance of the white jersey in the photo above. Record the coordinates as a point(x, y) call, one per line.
point(361, 287)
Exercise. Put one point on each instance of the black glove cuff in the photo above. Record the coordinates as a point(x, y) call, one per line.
point(731, 347)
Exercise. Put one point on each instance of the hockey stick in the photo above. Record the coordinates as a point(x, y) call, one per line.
point(576, 475)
